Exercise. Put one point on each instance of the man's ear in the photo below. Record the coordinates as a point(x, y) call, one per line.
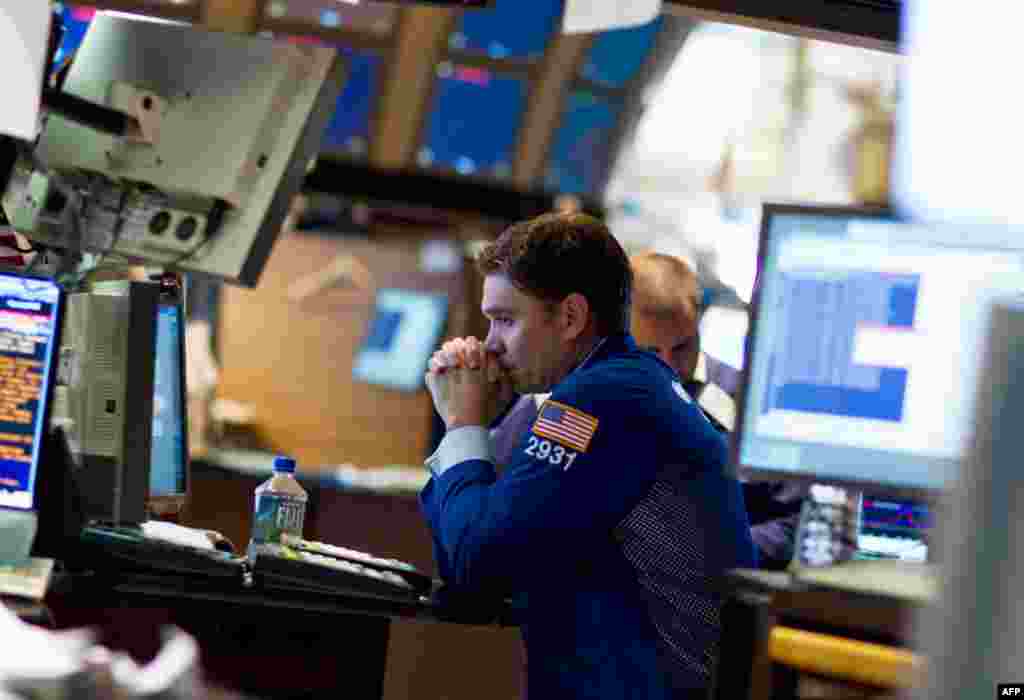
point(575, 315)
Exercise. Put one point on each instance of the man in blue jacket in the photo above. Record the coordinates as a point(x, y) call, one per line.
point(614, 519)
point(665, 318)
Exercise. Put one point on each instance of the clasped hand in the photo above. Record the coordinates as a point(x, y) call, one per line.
point(467, 384)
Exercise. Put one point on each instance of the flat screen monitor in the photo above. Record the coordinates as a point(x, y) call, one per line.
point(863, 356)
point(30, 310)
point(223, 128)
point(406, 327)
point(168, 467)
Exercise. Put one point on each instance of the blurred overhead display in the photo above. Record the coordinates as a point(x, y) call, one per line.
point(348, 132)
point(615, 57)
point(510, 30)
point(371, 18)
point(499, 95)
point(472, 123)
point(496, 91)
point(580, 157)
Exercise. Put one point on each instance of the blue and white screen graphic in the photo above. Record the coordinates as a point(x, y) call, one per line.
point(864, 363)
point(403, 334)
point(839, 318)
point(29, 317)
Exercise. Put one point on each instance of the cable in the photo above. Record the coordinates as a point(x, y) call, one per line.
point(119, 226)
point(90, 114)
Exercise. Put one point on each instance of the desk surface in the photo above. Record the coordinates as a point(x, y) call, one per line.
point(384, 524)
point(868, 615)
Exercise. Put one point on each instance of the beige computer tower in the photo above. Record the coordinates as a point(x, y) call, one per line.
point(104, 397)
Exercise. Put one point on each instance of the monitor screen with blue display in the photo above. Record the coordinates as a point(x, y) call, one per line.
point(75, 21)
point(168, 462)
point(514, 29)
point(862, 359)
point(348, 132)
point(402, 335)
point(473, 121)
point(30, 311)
point(581, 153)
point(616, 56)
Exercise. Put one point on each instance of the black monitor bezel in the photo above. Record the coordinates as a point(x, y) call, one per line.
point(173, 504)
point(750, 472)
point(48, 387)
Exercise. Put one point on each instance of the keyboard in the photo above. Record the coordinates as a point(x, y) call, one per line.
point(299, 563)
point(891, 547)
point(128, 548)
point(350, 555)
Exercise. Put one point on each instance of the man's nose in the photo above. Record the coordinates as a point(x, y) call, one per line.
point(491, 343)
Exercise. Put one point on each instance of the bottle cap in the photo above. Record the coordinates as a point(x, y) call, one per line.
point(284, 464)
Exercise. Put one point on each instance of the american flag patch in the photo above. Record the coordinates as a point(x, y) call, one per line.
point(565, 425)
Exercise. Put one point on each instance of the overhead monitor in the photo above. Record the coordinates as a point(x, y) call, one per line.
point(486, 145)
point(176, 146)
point(30, 312)
point(507, 30)
point(864, 349)
point(581, 152)
point(168, 465)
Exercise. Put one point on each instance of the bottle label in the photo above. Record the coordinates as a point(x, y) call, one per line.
point(277, 515)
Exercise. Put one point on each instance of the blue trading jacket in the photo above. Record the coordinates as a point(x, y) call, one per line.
point(613, 520)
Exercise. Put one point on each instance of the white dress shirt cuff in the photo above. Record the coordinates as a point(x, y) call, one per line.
point(459, 445)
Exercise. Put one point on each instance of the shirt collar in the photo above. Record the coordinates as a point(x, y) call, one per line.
point(603, 346)
point(593, 351)
point(700, 373)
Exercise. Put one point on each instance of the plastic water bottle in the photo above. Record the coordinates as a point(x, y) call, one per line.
point(829, 527)
point(279, 506)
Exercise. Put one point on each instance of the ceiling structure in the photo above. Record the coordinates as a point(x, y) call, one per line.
point(870, 24)
point(493, 110)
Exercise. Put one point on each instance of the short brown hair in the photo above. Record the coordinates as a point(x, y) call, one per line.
point(664, 286)
point(554, 255)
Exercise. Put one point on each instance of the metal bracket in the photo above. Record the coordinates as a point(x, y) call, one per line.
point(145, 107)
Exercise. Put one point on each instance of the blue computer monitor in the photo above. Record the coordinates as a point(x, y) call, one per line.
point(862, 357)
point(30, 310)
point(168, 468)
